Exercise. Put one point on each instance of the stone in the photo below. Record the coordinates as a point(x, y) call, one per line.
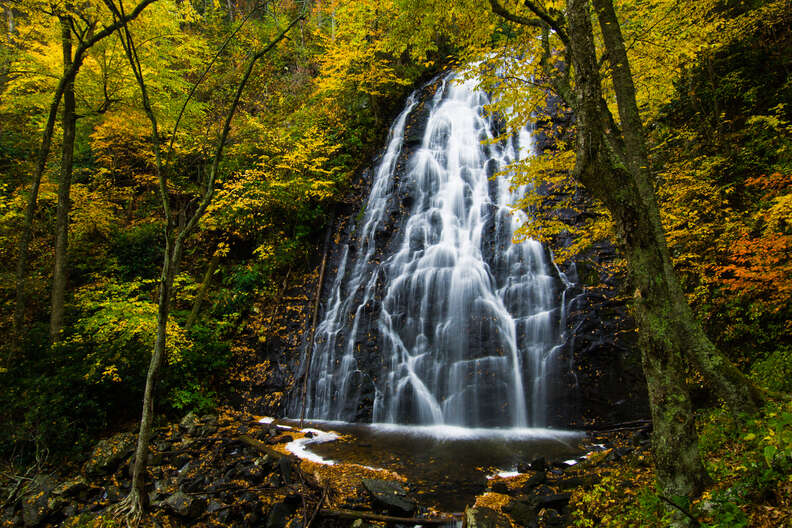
point(56, 504)
point(537, 478)
point(522, 513)
point(556, 501)
point(389, 494)
point(552, 519)
point(538, 464)
point(284, 465)
point(71, 488)
point(279, 515)
point(35, 509)
point(108, 454)
point(182, 504)
point(485, 518)
point(189, 420)
point(35, 506)
point(500, 487)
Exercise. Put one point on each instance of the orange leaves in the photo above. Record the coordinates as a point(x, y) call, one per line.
point(773, 184)
point(760, 268)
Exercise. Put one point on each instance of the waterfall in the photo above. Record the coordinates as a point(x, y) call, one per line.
point(434, 316)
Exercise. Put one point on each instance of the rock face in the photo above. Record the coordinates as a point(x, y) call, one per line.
point(599, 382)
point(603, 361)
point(388, 237)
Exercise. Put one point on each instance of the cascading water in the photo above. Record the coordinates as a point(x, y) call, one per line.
point(434, 315)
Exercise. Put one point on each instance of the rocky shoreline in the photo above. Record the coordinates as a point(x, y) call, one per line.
point(234, 470)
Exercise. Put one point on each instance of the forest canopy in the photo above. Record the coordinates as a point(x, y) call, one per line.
point(86, 218)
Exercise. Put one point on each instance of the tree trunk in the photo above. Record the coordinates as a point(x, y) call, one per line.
point(739, 393)
point(11, 25)
point(606, 174)
point(59, 275)
point(26, 236)
point(172, 254)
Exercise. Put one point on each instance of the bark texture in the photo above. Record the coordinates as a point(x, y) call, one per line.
point(69, 123)
point(614, 169)
point(612, 163)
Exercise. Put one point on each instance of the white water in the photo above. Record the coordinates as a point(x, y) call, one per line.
point(452, 324)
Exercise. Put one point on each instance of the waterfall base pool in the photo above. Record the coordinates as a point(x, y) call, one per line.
point(445, 466)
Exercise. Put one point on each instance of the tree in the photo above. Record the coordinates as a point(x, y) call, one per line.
point(611, 161)
point(133, 505)
point(88, 37)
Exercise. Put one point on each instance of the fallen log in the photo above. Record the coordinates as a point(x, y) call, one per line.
point(351, 514)
point(261, 446)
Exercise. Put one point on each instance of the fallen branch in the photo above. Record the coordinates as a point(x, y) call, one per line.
point(350, 514)
point(261, 446)
point(318, 507)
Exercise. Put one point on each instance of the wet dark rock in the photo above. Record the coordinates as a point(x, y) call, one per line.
point(113, 493)
point(618, 453)
point(71, 488)
point(585, 482)
point(209, 419)
point(34, 509)
point(538, 464)
point(279, 515)
point(556, 501)
point(485, 518)
point(193, 484)
point(552, 519)
point(224, 516)
point(389, 494)
point(189, 423)
point(214, 505)
point(184, 505)
point(285, 468)
point(109, 453)
point(500, 487)
point(69, 510)
point(542, 490)
point(282, 439)
point(522, 513)
point(537, 478)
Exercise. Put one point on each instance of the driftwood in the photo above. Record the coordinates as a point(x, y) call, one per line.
point(261, 446)
point(351, 514)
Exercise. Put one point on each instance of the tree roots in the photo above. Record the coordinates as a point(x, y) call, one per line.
point(130, 510)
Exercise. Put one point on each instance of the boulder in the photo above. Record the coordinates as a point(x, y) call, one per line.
point(71, 488)
point(35, 509)
point(184, 505)
point(535, 480)
point(108, 454)
point(35, 506)
point(523, 514)
point(278, 515)
point(556, 501)
point(485, 518)
point(390, 495)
